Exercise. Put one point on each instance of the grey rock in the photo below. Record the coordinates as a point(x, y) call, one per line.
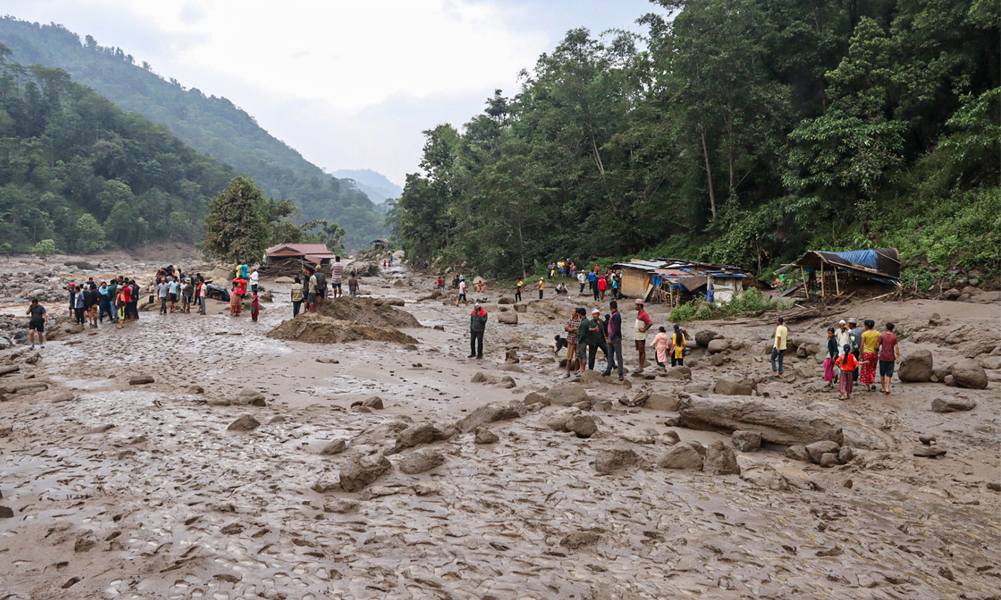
point(817, 450)
point(720, 460)
point(926, 439)
point(702, 338)
point(568, 395)
point(195, 389)
point(670, 437)
point(845, 455)
point(421, 460)
point(6, 512)
point(582, 425)
point(798, 452)
point(967, 373)
point(929, 451)
point(508, 318)
point(334, 447)
point(374, 403)
point(251, 398)
point(718, 345)
point(487, 414)
point(679, 373)
point(948, 405)
point(579, 539)
point(507, 382)
point(951, 294)
point(608, 461)
point(444, 432)
point(698, 447)
point(340, 506)
point(916, 367)
point(244, 423)
point(415, 435)
point(363, 470)
point(485, 436)
point(729, 387)
point(681, 456)
point(765, 476)
point(779, 422)
point(141, 379)
point(536, 398)
point(828, 459)
point(746, 441)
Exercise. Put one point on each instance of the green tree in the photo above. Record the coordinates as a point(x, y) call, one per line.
point(45, 248)
point(236, 227)
point(89, 234)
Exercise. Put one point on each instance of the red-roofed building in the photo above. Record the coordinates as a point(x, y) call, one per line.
point(317, 254)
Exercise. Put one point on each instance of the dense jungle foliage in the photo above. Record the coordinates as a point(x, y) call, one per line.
point(79, 174)
point(209, 124)
point(736, 131)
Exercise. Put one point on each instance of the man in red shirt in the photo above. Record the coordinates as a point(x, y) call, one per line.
point(889, 357)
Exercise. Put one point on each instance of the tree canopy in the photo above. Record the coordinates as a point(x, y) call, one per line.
point(738, 131)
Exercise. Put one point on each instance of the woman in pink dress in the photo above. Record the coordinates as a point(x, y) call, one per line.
point(660, 344)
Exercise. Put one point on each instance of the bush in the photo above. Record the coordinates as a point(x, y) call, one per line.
point(684, 312)
point(45, 248)
point(750, 301)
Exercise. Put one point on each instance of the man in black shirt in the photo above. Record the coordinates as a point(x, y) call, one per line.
point(39, 319)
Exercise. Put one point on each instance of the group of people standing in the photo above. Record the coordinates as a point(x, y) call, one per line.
point(585, 336)
point(117, 300)
point(312, 289)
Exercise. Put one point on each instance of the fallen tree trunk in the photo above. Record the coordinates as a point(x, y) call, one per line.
point(9, 370)
point(778, 423)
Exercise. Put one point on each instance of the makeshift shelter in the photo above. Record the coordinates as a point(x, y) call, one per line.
point(379, 244)
point(837, 273)
point(289, 259)
point(676, 281)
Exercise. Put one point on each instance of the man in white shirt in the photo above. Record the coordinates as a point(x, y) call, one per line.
point(254, 279)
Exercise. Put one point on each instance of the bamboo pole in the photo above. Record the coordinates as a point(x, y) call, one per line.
point(837, 285)
point(806, 284)
point(823, 276)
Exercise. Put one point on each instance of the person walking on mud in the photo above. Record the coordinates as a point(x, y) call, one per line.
point(643, 324)
point(614, 340)
point(477, 326)
point(36, 323)
point(462, 293)
point(889, 357)
point(542, 287)
point(779, 347)
point(517, 290)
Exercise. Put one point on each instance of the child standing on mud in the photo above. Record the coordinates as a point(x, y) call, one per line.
point(255, 308)
point(848, 364)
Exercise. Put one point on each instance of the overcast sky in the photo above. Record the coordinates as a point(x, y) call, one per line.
point(349, 84)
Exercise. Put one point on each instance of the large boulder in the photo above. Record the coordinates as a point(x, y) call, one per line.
point(817, 450)
point(485, 415)
point(746, 441)
point(734, 387)
point(421, 460)
point(508, 318)
point(777, 421)
point(415, 435)
point(720, 460)
point(916, 367)
point(702, 338)
point(718, 345)
point(967, 373)
point(766, 476)
point(582, 425)
point(609, 461)
point(567, 395)
point(948, 405)
point(681, 456)
point(363, 470)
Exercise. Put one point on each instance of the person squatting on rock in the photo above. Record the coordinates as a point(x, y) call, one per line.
point(477, 326)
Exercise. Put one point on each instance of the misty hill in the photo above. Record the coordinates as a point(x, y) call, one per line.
point(376, 185)
point(209, 124)
point(78, 174)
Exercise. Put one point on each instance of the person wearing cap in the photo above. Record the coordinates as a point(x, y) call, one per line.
point(842, 336)
point(37, 322)
point(779, 347)
point(643, 324)
point(595, 338)
point(477, 325)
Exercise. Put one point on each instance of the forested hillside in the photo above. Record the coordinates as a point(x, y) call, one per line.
point(212, 125)
point(79, 171)
point(375, 185)
point(741, 131)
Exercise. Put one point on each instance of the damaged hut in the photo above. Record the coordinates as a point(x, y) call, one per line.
point(290, 259)
point(836, 273)
point(674, 281)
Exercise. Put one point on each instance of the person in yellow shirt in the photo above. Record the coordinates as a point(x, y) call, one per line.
point(542, 286)
point(779, 347)
point(870, 346)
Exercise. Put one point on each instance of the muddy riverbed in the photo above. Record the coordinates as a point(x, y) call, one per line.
point(140, 490)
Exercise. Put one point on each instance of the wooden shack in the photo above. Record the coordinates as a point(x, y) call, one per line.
point(288, 259)
point(836, 273)
point(674, 281)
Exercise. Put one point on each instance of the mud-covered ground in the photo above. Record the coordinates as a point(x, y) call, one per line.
point(140, 491)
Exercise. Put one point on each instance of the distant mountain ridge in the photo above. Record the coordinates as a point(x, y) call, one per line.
point(209, 124)
point(377, 186)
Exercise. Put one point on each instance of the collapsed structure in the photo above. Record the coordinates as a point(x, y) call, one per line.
point(836, 273)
